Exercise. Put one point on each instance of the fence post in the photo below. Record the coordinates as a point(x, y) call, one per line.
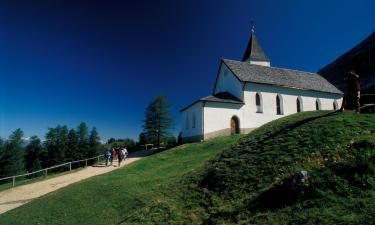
point(86, 162)
point(14, 180)
point(70, 166)
point(98, 160)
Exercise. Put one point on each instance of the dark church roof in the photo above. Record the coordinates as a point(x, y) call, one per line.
point(223, 97)
point(247, 72)
point(254, 51)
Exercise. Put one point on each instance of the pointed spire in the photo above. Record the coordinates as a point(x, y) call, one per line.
point(254, 52)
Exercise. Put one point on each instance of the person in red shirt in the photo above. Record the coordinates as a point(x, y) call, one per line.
point(353, 91)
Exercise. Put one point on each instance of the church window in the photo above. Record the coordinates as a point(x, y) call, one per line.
point(258, 102)
point(279, 105)
point(193, 126)
point(187, 122)
point(318, 105)
point(299, 104)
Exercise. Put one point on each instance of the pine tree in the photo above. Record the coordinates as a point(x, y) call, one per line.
point(158, 120)
point(57, 144)
point(83, 139)
point(94, 143)
point(12, 157)
point(73, 152)
point(34, 152)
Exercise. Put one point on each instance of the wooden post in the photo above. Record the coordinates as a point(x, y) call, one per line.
point(14, 180)
point(70, 166)
point(98, 160)
point(86, 162)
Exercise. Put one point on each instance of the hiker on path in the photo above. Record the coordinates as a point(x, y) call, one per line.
point(107, 156)
point(353, 92)
point(124, 153)
point(119, 156)
point(112, 155)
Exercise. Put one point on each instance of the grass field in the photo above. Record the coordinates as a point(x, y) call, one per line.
point(234, 180)
point(249, 183)
point(114, 197)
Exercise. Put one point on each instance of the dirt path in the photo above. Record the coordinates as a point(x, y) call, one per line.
point(15, 197)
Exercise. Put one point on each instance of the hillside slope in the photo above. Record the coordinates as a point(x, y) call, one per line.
point(111, 198)
point(257, 180)
point(308, 168)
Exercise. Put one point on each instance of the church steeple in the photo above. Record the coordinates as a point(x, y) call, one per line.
point(254, 53)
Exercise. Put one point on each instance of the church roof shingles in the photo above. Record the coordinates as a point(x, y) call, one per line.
point(247, 72)
point(254, 51)
point(223, 97)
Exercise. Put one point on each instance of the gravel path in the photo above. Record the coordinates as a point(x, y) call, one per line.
point(15, 197)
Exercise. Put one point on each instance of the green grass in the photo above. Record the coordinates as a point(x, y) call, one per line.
point(245, 184)
point(114, 197)
point(231, 181)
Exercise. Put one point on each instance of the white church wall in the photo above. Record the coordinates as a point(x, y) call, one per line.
point(217, 118)
point(252, 119)
point(228, 82)
point(191, 120)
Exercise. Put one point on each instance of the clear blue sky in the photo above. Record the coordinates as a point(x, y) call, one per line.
point(63, 62)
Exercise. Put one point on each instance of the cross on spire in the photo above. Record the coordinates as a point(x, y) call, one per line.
point(252, 27)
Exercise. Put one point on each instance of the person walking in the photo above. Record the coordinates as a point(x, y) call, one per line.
point(112, 152)
point(124, 153)
point(119, 156)
point(353, 92)
point(107, 156)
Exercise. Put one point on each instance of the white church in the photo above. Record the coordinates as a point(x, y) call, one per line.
point(250, 93)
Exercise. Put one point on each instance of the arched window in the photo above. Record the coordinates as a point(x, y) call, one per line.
point(335, 105)
point(193, 126)
point(279, 105)
point(187, 122)
point(299, 105)
point(318, 105)
point(259, 102)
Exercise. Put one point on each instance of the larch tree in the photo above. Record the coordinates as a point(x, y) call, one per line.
point(94, 143)
point(12, 155)
point(83, 137)
point(158, 120)
point(34, 154)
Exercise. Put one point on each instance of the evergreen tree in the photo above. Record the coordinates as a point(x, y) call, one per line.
point(34, 152)
point(94, 143)
point(83, 137)
point(142, 139)
point(158, 120)
point(2, 158)
point(73, 152)
point(57, 144)
point(12, 157)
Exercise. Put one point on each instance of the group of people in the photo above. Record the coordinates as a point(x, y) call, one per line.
point(119, 153)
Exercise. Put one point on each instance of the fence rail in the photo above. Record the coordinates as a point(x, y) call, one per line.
point(49, 168)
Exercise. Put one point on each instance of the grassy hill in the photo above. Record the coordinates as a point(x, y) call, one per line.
point(256, 180)
point(111, 198)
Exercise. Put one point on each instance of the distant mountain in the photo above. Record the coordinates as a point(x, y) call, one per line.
point(361, 58)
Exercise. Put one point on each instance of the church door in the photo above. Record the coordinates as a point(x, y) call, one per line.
point(234, 125)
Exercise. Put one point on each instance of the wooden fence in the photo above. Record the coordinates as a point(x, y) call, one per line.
point(13, 178)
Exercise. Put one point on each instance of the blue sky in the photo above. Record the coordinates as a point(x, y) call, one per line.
point(102, 62)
